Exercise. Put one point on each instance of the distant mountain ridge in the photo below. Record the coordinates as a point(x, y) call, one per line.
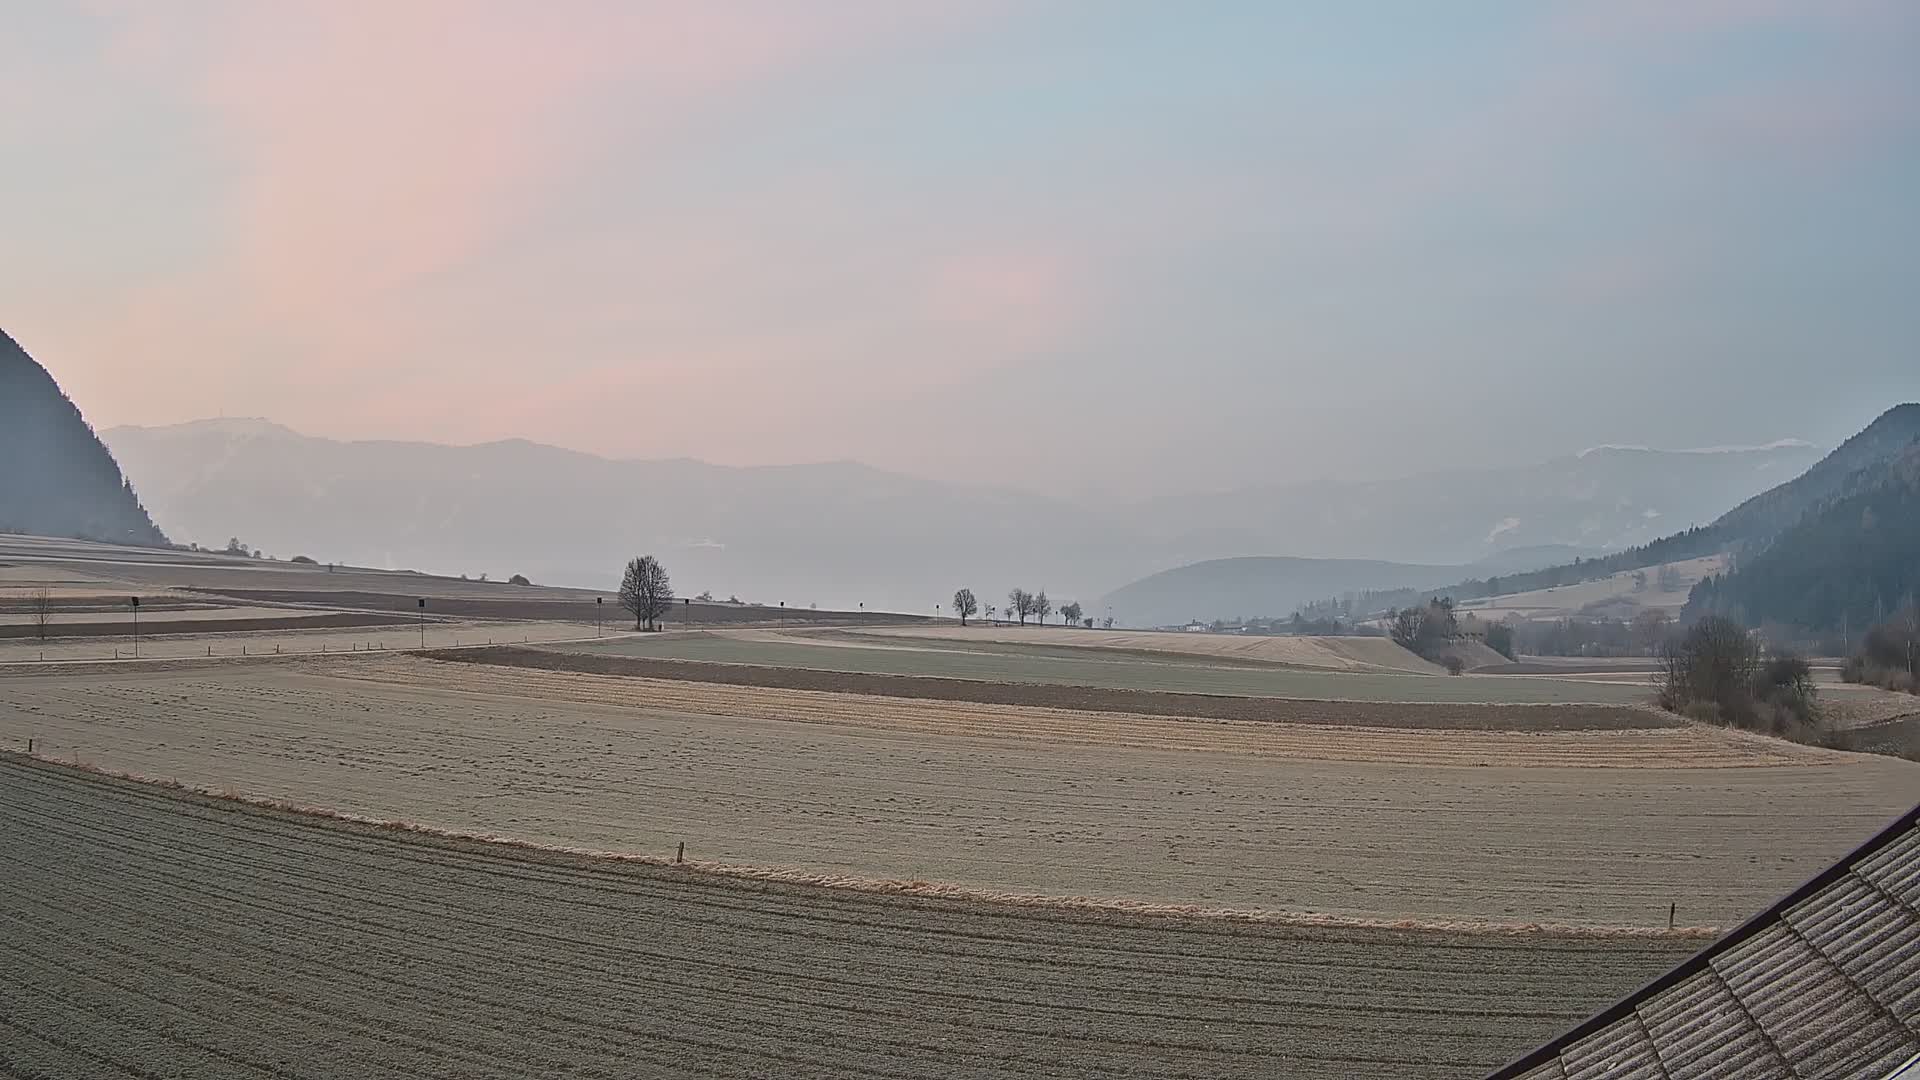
point(844, 533)
point(1605, 499)
point(56, 477)
point(835, 533)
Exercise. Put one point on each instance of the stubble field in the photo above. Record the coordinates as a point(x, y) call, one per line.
point(1593, 827)
point(157, 933)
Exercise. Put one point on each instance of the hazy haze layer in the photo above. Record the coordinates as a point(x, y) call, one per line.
point(1078, 247)
point(845, 534)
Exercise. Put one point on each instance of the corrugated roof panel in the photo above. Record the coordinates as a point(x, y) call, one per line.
point(1910, 1070)
point(1887, 1064)
point(1549, 1071)
point(1820, 1020)
point(1896, 867)
point(1621, 1050)
point(1876, 943)
point(1702, 1031)
point(1759, 957)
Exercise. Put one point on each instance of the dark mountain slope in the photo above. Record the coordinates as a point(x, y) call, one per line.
point(1848, 562)
point(56, 478)
point(1777, 509)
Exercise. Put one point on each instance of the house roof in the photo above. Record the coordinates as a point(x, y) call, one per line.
point(1825, 983)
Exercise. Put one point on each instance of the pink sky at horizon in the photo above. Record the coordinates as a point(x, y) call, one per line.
point(1010, 243)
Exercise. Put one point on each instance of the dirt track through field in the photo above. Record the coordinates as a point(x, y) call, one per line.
point(158, 933)
point(1290, 818)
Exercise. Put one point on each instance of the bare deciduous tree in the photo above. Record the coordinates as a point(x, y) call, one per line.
point(40, 607)
point(645, 591)
point(1070, 613)
point(1020, 604)
point(965, 605)
point(1042, 607)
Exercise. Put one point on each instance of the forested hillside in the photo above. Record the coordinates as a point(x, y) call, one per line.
point(1844, 565)
point(56, 478)
point(1775, 510)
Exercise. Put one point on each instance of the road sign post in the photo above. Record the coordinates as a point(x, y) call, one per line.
point(135, 602)
point(423, 622)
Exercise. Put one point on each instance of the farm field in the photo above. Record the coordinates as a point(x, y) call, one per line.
point(1562, 601)
point(288, 637)
point(306, 948)
point(1404, 714)
point(1069, 666)
point(1589, 827)
point(90, 583)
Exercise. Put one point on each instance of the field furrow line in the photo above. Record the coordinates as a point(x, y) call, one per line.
point(1444, 973)
point(277, 979)
point(621, 884)
point(746, 975)
point(411, 924)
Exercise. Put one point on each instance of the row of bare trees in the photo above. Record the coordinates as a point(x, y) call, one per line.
point(1021, 605)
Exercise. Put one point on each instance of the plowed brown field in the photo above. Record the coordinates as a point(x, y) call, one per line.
point(1581, 827)
point(152, 933)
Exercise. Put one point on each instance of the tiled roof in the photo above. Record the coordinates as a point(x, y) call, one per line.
point(1826, 983)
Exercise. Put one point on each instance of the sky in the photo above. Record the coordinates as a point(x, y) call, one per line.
point(1101, 247)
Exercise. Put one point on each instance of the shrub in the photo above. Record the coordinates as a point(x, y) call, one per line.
point(1714, 674)
point(303, 559)
point(1702, 712)
point(1453, 664)
point(1887, 654)
point(518, 579)
point(1714, 661)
